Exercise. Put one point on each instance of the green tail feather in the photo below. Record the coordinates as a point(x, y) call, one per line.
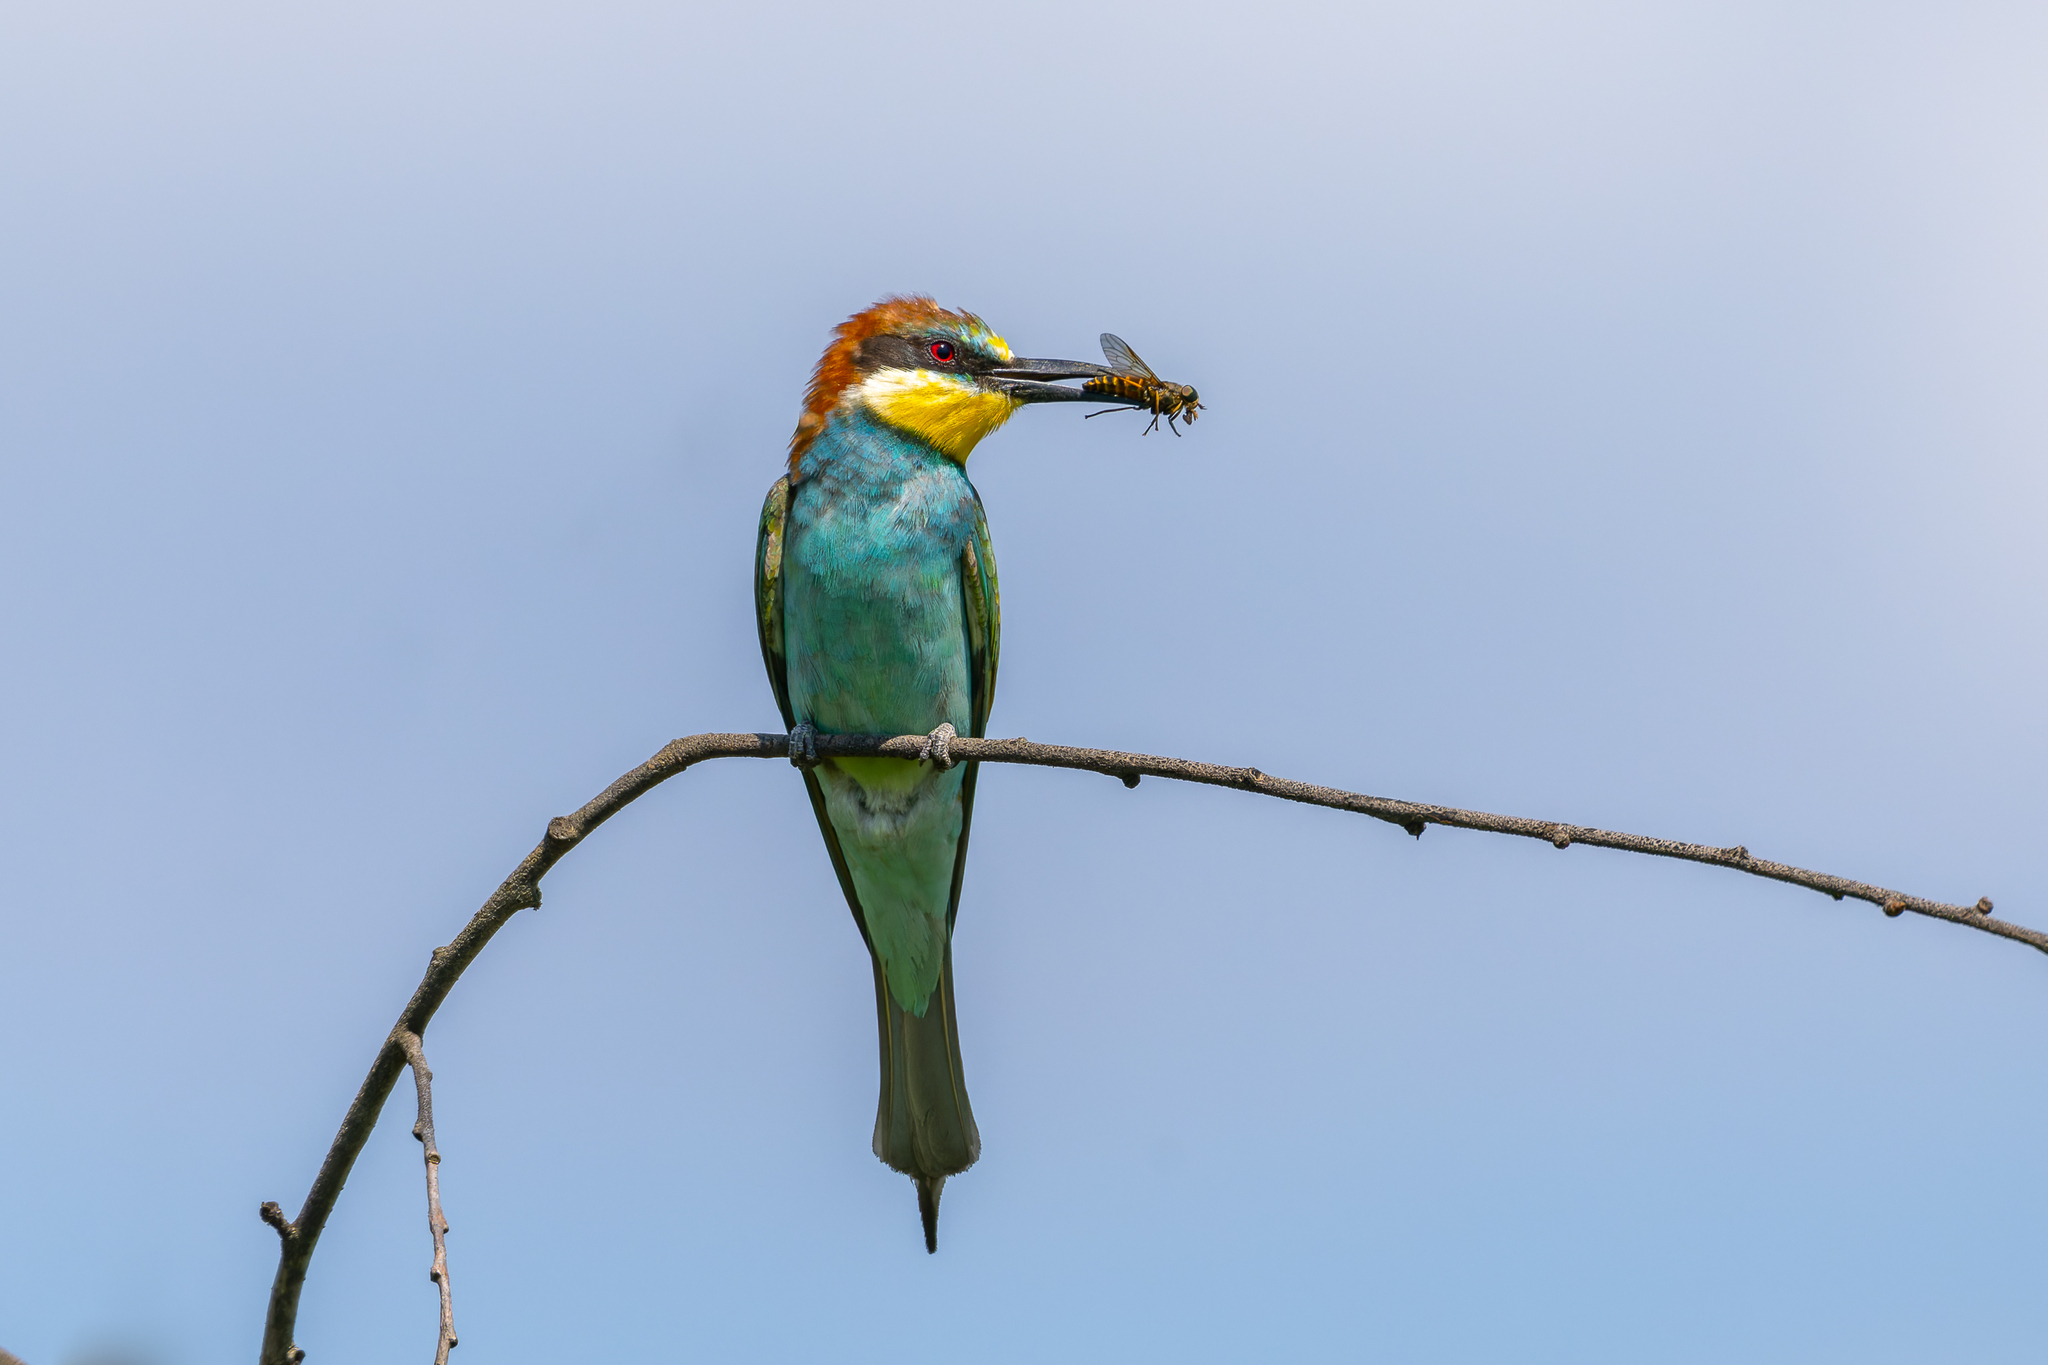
point(924, 1126)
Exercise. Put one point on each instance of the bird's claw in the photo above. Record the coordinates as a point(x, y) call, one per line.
point(803, 746)
point(937, 746)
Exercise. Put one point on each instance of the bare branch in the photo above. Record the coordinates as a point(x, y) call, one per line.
point(1413, 816)
point(522, 890)
point(423, 1129)
point(517, 892)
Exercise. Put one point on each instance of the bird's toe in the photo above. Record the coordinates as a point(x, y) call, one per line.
point(938, 746)
point(803, 745)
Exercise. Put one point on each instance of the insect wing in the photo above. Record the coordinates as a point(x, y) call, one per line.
point(1123, 359)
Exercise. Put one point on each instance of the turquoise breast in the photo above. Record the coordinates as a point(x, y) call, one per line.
point(875, 633)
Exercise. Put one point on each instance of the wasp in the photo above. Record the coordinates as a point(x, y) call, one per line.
point(1131, 381)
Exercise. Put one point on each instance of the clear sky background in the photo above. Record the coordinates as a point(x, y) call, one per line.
point(1625, 414)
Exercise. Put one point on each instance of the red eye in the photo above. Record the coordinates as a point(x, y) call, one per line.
point(942, 351)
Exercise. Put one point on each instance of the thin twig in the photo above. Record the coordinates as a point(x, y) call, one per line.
point(423, 1129)
point(522, 890)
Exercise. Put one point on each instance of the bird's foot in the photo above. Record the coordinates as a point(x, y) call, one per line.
point(803, 746)
point(938, 746)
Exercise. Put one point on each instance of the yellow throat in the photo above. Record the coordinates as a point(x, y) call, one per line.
point(949, 410)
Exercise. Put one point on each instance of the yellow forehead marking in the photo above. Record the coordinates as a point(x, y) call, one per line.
point(949, 410)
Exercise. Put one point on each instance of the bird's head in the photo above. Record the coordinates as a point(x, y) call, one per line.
point(941, 375)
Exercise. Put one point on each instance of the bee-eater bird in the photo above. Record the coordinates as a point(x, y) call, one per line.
point(875, 594)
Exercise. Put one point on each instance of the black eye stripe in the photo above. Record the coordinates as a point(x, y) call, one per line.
point(915, 352)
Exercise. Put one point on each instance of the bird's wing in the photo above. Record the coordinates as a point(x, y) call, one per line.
point(984, 648)
point(768, 620)
point(768, 594)
point(984, 618)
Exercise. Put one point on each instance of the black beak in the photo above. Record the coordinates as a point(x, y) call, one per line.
point(1029, 381)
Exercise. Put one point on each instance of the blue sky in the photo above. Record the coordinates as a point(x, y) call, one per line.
point(1629, 415)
